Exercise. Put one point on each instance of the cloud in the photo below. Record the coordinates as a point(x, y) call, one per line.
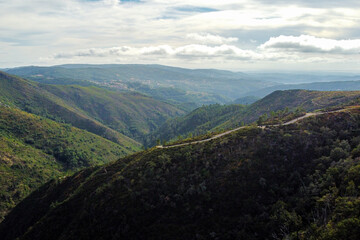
point(318, 3)
point(284, 49)
point(178, 31)
point(210, 39)
point(311, 44)
point(191, 51)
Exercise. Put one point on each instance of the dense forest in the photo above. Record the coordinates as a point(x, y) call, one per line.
point(217, 118)
point(110, 114)
point(299, 181)
point(35, 149)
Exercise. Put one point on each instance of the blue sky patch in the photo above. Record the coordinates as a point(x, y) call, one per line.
point(194, 9)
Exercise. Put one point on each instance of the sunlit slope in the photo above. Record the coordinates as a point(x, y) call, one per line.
point(105, 113)
point(35, 149)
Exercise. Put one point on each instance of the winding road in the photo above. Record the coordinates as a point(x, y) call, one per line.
point(236, 129)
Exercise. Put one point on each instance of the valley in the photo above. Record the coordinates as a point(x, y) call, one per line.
point(75, 153)
point(179, 120)
point(258, 178)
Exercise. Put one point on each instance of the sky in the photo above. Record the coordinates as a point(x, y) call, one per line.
point(239, 35)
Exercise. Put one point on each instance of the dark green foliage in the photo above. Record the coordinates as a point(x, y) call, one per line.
point(35, 149)
point(198, 122)
point(278, 183)
point(274, 108)
point(132, 114)
point(292, 100)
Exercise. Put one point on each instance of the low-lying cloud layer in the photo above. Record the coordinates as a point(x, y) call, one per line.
point(187, 51)
point(282, 48)
point(311, 44)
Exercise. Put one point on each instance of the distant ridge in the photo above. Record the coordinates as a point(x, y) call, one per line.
point(226, 84)
point(318, 86)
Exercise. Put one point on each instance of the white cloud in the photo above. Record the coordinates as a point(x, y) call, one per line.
point(311, 44)
point(186, 51)
point(203, 31)
point(285, 50)
point(210, 38)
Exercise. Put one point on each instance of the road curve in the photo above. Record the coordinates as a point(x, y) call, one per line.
point(236, 129)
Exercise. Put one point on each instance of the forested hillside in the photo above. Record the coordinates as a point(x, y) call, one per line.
point(132, 114)
point(291, 100)
point(35, 149)
point(220, 117)
point(105, 113)
point(198, 122)
point(299, 181)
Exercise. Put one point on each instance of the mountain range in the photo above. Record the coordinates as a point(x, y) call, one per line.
point(291, 182)
point(203, 86)
point(214, 118)
point(192, 87)
point(77, 155)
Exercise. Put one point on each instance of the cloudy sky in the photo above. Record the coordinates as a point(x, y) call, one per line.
point(228, 34)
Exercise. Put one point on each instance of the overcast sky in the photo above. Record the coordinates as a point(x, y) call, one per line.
point(239, 35)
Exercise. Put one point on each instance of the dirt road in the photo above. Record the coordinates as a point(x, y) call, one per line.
point(236, 129)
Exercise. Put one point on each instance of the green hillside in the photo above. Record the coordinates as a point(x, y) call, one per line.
point(215, 118)
point(132, 114)
point(105, 113)
point(198, 122)
point(35, 149)
point(292, 99)
point(298, 181)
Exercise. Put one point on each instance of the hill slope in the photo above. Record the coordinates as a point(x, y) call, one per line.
point(292, 99)
point(105, 113)
point(132, 114)
point(198, 122)
point(35, 149)
point(220, 117)
point(294, 182)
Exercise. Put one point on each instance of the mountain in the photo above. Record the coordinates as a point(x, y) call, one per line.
point(106, 113)
point(318, 86)
point(132, 114)
point(221, 84)
point(215, 118)
point(304, 77)
point(35, 149)
point(198, 122)
point(298, 181)
point(292, 99)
